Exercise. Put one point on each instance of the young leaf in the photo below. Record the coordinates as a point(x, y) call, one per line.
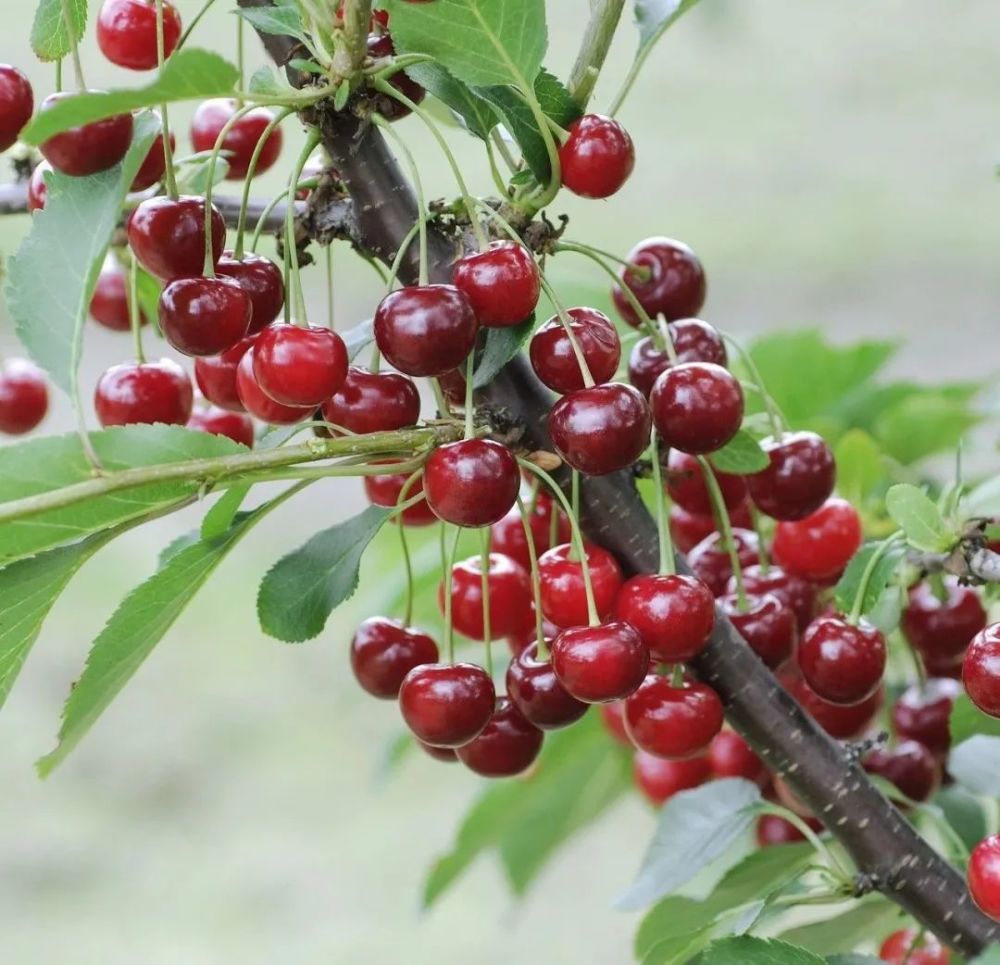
point(967, 720)
point(757, 951)
point(220, 517)
point(282, 19)
point(502, 344)
point(741, 456)
point(919, 519)
point(303, 588)
point(975, 764)
point(655, 17)
point(878, 580)
point(50, 39)
point(478, 116)
point(871, 917)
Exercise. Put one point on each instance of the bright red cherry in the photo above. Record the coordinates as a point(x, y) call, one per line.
point(447, 705)
point(981, 670)
point(673, 615)
point(672, 283)
point(373, 402)
point(237, 426)
point(839, 721)
point(385, 489)
point(773, 829)
point(767, 625)
point(216, 375)
point(923, 713)
point(37, 189)
point(261, 279)
point(144, 392)
point(710, 560)
point(384, 651)
point(673, 722)
point(154, 165)
point(204, 316)
point(799, 478)
point(534, 688)
point(599, 664)
point(659, 779)
point(109, 304)
point(910, 766)
point(686, 485)
point(697, 407)
point(299, 366)
point(242, 138)
point(473, 482)
point(24, 396)
point(554, 360)
point(984, 876)
point(87, 148)
point(601, 429)
point(942, 629)
point(560, 574)
point(502, 283)
point(797, 594)
point(508, 536)
point(688, 529)
point(910, 947)
point(510, 597)
point(507, 746)
point(597, 157)
point(841, 662)
point(425, 329)
point(168, 237)
point(821, 545)
point(126, 32)
point(17, 101)
point(694, 341)
point(729, 755)
point(257, 402)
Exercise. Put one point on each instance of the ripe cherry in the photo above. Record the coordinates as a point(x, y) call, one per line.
point(299, 366)
point(511, 610)
point(839, 721)
point(204, 316)
point(981, 670)
point(670, 721)
point(425, 329)
point(659, 779)
point(688, 529)
point(126, 32)
point(446, 755)
point(261, 279)
point(473, 482)
point(87, 148)
point(686, 485)
point(923, 713)
point(613, 721)
point(910, 947)
point(597, 157)
point(144, 392)
point(452, 384)
point(554, 360)
point(447, 705)
point(673, 615)
point(17, 101)
point(693, 340)
point(910, 766)
point(942, 629)
point(216, 375)
point(519, 642)
point(24, 396)
point(710, 560)
point(601, 429)
point(841, 662)
point(767, 625)
point(507, 746)
point(821, 545)
point(502, 283)
point(257, 402)
point(534, 688)
point(799, 478)
point(379, 46)
point(602, 663)
point(984, 875)
point(729, 755)
point(508, 536)
point(373, 402)
point(671, 283)
point(697, 407)
point(242, 138)
point(560, 574)
point(109, 303)
point(168, 237)
point(773, 829)
point(797, 594)
point(237, 426)
point(384, 651)
point(385, 489)
point(37, 189)
point(154, 165)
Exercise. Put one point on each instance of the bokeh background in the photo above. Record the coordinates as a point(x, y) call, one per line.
point(833, 165)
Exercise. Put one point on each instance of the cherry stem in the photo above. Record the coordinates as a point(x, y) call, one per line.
point(444, 409)
point(668, 566)
point(169, 177)
point(841, 873)
point(866, 576)
point(470, 406)
point(284, 194)
point(134, 319)
point(397, 261)
point(484, 577)
point(294, 277)
point(725, 524)
point(567, 324)
point(498, 181)
point(604, 18)
point(677, 676)
point(240, 62)
point(404, 546)
point(667, 341)
point(774, 413)
point(74, 45)
point(448, 552)
point(59, 72)
point(193, 23)
point(328, 266)
point(763, 556)
point(376, 360)
point(541, 647)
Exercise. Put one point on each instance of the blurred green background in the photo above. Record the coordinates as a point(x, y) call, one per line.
point(833, 165)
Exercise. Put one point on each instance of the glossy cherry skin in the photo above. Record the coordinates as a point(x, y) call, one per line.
point(109, 303)
point(168, 237)
point(923, 714)
point(689, 529)
point(508, 745)
point(818, 547)
point(257, 402)
point(697, 407)
point(447, 705)
point(694, 341)
point(242, 138)
point(659, 779)
point(204, 316)
point(797, 594)
point(981, 670)
point(425, 329)
point(673, 722)
point(385, 489)
point(799, 478)
point(373, 402)
point(384, 651)
point(984, 875)
point(37, 189)
point(910, 947)
point(710, 560)
point(767, 625)
point(216, 376)
point(729, 755)
point(511, 609)
point(942, 629)
point(126, 32)
point(154, 165)
point(261, 279)
point(144, 392)
point(473, 482)
point(237, 426)
point(773, 829)
point(673, 615)
point(601, 429)
point(24, 396)
point(299, 366)
point(502, 283)
point(534, 688)
point(599, 664)
point(597, 157)
point(564, 601)
point(910, 766)
point(508, 537)
point(88, 148)
point(17, 101)
point(686, 485)
point(555, 362)
point(673, 284)
point(840, 721)
point(842, 663)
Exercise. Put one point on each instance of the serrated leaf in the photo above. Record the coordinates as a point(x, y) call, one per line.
point(881, 575)
point(741, 456)
point(69, 239)
point(50, 40)
point(967, 720)
point(281, 19)
point(975, 764)
point(869, 918)
point(478, 115)
point(860, 471)
point(919, 518)
point(222, 513)
point(189, 74)
point(303, 588)
point(502, 344)
point(746, 950)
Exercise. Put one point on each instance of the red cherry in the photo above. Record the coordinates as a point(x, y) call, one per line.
point(613, 720)
point(24, 396)
point(299, 366)
point(379, 46)
point(384, 651)
point(555, 361)
point(984, 876)
point(204, 316)
point(168, 237)
point(694, 341)
point(673, 284)
point(910, 766)
point(767, 625)
point(17, 101)
point(923, 713)
point(797, 594)
point(673, 722)
point(508, 536)
point(673, 615)
point(37, 189)
point(942, 629)
point(601, 429)
point(798, 479)
point(560, 575)
point(220, 422)
point(821, 545)
point(447, 705)
point(981, 670)
point(688, 529)
point(154, 165)
point(729, 755)
point(597, 157)
point(452, 384)
point(842, 663)
point(425, 329)
point(510, 597)
point(501, 284)
point(471, 483)
point(126, 32)
point(517, 643)
point(87, 148)
point(507, 746)
point(773, 829)
point(910, 947)
point(144, 392)
point(710, 560)
point(216, 376)
point(602, 663)
point(444, 754)
point(534, 688)
point(697, 407)
point(109, 303)
point(373, 402)
point(261, 279)
point(839, 721)
point(686, 485)
point(242, 138)
point(659, 779)
point(257, 402)
point(383, 490)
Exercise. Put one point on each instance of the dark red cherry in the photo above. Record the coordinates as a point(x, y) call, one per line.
point(452, 384)
point(237, 426)
point(922, 713)
point(154, 165)
point(242, 138)
point(689, 529)
point(519, 642)
point(697, 407)
point(379, 46)
point(767, 625)
point(840, 721)
point(216, 375)
point(942, 629)
point(910, 766)
point(555, 361)
point(37, 189)
point(17, 101)
point(299, 366)
point(984, 875)
point(425, 329)
point(109, 303)
point(507, 746)
point(144, 392)
point(257, 402)
point(126, 32)
point(799, 478)
point(564, 601)
point(797, 594)
point(384, 651)
point(613, 721)
point(511, 610)
point(533, 686)
point(473, 482)
point(818, 547)
point(729, 755)
point(597, 157)
point(204, 316)
point(261, 279)
point(446, 755)
point(673, 615)
point(710, 560)
point(24, 396)
point(447, 705)
point(686, 485)
point(599, 664)
point(87, 148)
point(672, 283)
point(981, 670)
point(168, 237)
point(385, 489)
point(601, 429)
point(773, 829)
point(673, 722)
point(694, 341)
point(501, 283)
point(842, 663)
point(911, 947)
point(508, 536)
point(373, 402)
point(659, 779)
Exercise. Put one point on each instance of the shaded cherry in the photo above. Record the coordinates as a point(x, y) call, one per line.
point(17, 101)
point(840, 721)
point(507, 534)
point(560, 573)
point(168, 236)
point(710, 560)
point(602, 663)
point(446, 755)
point(517, 643)
point(109, 303)
point(126, 32)
point(981, 670)
point(299, 366)
point(144, 392)
point(257, 402)
point(554, 359)
point(87, 148)
point(729, 755)
point(670, 721)
point(154, 165)
point(697, 407)
point(379, 46)
point(673, 615)
point(688, 529)
point(613, 721)
point(237, 426)
point(922, 713)
point(373, 402)
point(984, 875)
point(693, 340)
point(447, 705)
point(841, 662)
point(384, 651)
point(797, 594)
point(799, 478)
point(507, 746)
point(511, 610)
point(911, 947)
point(672, 283)
point(204, 316)
point(821, 545)
point(241, 140)
point(910, 766)
point(597, 157)
point(942, 629)
point(24, 396)
point(473, 482)
point(216, 375)
point(37, 189)
point(502, 283)
point(384, 490)
point(261, 279)
point(659, 779)
point(773, 829)
point(686, 485)
point(766, 624)
point(534, 688)
point(452, 384)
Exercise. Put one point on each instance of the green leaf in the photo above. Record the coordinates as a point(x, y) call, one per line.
point(694, 828)
point(924, 425)
point(975, 764)
point(502, 344)
point(358, 338)
point(964, 812)
point(68, 241)
point(871, 917)
point(220, 517)
point(741, 456)
point(148, 288)
point(303, 588)
point(757, 951)
point(878, 580)
point(263, 79)
point(967, 720)
point(655, 17)
point(193, 177)
point(50, 39)
point(990, 957)
point(282, 19)
point(480, 42)
point(919, 519)
point(189, 74)
point(860, 471)
point(984, 499)
point(478, 116)
point(853, 960)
